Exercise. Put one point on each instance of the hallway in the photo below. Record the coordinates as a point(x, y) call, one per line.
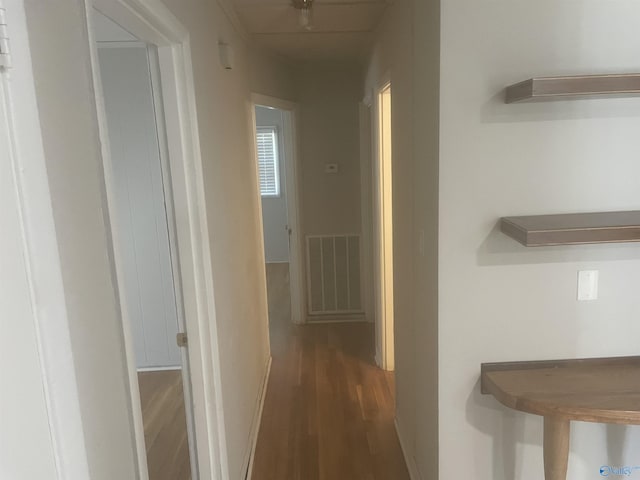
point(329, 411)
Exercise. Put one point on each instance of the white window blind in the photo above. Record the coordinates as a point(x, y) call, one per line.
point(267, 143)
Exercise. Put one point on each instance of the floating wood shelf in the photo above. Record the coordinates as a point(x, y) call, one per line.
point(549, 88)
point(602, 390)
point(573, 229)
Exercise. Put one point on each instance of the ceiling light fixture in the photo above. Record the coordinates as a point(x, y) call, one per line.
point(305, 12)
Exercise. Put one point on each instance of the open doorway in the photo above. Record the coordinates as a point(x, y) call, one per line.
point(383, 228)
point(144, 235)
point(274, 123)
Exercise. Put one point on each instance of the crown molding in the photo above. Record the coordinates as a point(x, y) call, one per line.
point(234, 19)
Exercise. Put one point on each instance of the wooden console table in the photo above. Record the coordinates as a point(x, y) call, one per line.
point(601, 390)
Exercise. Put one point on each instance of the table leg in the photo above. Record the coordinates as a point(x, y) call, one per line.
point(556, 447)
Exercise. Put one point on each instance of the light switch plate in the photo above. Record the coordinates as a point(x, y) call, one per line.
point(588, 285)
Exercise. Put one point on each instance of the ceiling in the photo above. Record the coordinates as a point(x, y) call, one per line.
point(342, 29)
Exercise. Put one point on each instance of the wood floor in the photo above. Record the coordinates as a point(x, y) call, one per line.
point(328, 413)
point(165, 425)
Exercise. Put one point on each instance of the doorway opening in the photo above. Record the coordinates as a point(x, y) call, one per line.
point(153, 161)
point(274, 127)
point(383, 220)
point(143, 229)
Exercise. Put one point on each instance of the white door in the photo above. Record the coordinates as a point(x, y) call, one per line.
point(270, 143)
point(140, 216)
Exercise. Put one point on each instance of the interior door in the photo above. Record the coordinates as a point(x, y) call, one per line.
point(141, 215)
point(274, 207)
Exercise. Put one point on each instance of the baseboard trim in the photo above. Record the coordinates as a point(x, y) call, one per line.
point(158, 369)
point(409, 459)
point(321, 320)
point(257, 420)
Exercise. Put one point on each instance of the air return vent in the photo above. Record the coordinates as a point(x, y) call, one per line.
point(334, 275)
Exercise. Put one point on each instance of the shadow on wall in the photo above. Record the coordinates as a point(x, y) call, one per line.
point(511, 430)
point(495, 110)
point(499, 249)
point(506, 427)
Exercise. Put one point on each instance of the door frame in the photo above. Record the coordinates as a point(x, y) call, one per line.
point(39, 242)
point(153, 23)
point(367, 211)
point(292, 170)
point(383, 228)
point(172, 232)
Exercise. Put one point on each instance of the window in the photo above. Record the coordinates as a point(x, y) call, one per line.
point(267, 143)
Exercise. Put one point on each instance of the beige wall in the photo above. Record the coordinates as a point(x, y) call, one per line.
point(328, 97)
point(270, 75)
point(65, 98)
point(500, 301)
point(224, 115)
point(415, 183)
point(426, 115)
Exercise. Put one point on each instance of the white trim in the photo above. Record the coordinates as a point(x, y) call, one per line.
point(121, 44)
point(273, 102)
point(41, 253)
point(257, 423)
point(257, 198)
point(366, 214)
point(148, 20)
point(377, 358)
point(153, 23)
point(294, 207)
point(414, 473)
point(133, 387)
point(172, 232)
point(316, 320)
point(159, 369)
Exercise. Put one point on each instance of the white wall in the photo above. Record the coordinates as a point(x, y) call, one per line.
point(65, 99)
point(500, 301)
point(274, 209)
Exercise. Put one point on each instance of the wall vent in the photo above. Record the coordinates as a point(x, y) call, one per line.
point(334, 275)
